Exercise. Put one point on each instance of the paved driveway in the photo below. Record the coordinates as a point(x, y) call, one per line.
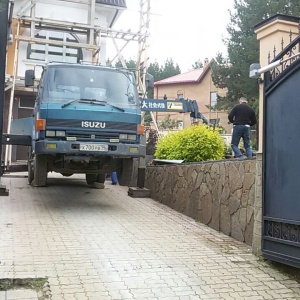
point(103, 244)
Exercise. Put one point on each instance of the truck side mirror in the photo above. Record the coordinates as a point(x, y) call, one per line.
point(149, 81)
point(29, 77)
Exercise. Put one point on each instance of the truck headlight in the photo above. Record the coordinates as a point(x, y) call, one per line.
point(131, 137)
point(60, 133)
point(50, 133)
point(123, 136)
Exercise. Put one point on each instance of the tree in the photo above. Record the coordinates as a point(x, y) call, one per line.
point(168, 123)
point(130, 64)
point(232, 72)
point(169, 69)
point(197, 64)
point(147, 118)
point(161, 72)
point(155, 70)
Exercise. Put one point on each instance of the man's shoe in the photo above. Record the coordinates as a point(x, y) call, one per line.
point(242, 157)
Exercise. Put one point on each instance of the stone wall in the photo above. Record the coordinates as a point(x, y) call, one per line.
point(219, 194)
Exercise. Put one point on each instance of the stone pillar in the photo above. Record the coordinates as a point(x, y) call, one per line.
point(257, 234)
point(273, 35)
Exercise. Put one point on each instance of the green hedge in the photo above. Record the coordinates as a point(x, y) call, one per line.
point(195, 143)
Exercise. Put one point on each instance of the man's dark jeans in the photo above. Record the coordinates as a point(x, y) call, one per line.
point(241, 131)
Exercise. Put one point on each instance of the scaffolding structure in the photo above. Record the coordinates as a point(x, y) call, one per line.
point(26, 18)
point(93, 32)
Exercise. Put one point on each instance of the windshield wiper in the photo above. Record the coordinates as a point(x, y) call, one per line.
point(69, 103)
point(102, 102)
point(93, 101)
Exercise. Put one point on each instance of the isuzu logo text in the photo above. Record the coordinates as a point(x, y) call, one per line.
point(89, 124)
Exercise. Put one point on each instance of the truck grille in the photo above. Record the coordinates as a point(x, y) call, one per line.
point(93, 137)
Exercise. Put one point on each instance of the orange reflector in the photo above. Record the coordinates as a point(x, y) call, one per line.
point(51, 146)
point(40, 124)
point(133, 150)
point(140, 129)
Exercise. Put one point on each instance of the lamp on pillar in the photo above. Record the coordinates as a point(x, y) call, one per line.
point(4, 5)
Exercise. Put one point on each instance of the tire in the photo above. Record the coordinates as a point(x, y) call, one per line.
point(66, 174)
point(30, 172)
point(40, 170)
point(101, 178)
point(90, 178)
point(30, 166)
point(125, 174)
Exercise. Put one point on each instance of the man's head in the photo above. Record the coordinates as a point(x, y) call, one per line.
point(243, 100)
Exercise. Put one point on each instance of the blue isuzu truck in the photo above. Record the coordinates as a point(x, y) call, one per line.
point(87, 119)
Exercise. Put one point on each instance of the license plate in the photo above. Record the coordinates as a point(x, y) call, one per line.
point(93, 147)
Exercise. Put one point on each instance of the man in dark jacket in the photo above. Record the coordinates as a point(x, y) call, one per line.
point(242, 116)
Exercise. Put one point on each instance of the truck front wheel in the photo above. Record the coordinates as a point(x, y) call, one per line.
point(40, 170)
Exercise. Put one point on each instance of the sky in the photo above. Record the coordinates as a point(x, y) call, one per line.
point(185, 31)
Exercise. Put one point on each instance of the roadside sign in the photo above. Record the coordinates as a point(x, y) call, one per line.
point(172, 105)
point(162, 105)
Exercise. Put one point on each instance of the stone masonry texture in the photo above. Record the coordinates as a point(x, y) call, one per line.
point(257, 229)
point(105, 245)
point(219, 194)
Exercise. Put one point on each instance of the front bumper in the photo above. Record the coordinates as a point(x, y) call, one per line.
point(72, 148)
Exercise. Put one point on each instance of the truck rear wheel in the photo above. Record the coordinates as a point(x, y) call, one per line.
point(30, 172)
point(30, 166)
point(96, 180)
point(101, 178)
point(40, 170)
point(125, 173)
point(90, 178)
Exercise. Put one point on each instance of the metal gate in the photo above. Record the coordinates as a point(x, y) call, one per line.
point(281, 159)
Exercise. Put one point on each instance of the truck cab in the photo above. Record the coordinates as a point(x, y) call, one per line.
point(87, 119)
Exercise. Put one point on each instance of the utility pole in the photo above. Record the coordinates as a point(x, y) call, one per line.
point(4, 5)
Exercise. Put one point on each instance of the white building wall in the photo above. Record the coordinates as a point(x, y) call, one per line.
point(69, 12)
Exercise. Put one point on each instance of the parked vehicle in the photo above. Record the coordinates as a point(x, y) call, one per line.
point(87, 119)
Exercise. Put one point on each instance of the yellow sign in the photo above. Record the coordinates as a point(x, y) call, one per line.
point(174, 105)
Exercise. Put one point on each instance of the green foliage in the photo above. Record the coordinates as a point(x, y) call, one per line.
point(130, 64)
point(197, 64)
point(218, 128)
point(168, 123)
point(147, 118)
point(169, 69)
point(227, 150)
point(243, 48)
point(253, 144)
point(161, 72)
point(195, 143)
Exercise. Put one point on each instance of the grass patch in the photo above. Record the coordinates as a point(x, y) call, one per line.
point(37, 284)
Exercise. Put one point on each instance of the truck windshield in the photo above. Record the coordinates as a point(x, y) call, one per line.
point(62, 84)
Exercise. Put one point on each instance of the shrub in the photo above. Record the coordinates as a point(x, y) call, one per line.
point(195, 143)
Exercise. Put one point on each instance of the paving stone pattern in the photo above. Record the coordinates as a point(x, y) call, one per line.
point(103, 244)
point(19, 294)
